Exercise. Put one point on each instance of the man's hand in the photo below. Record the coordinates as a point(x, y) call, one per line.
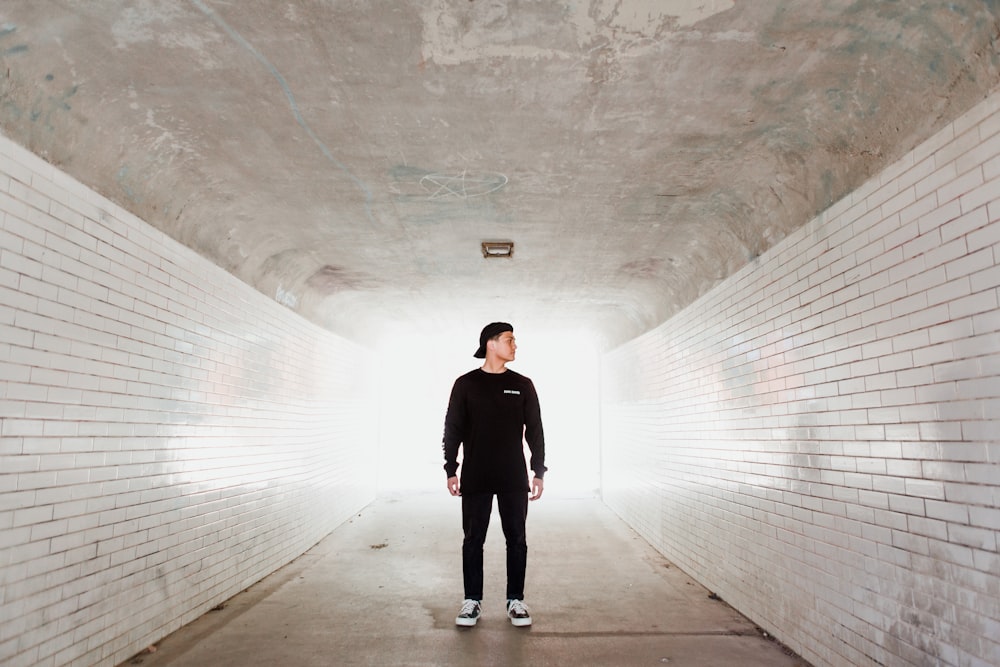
point(537, 486)
point(453, 486)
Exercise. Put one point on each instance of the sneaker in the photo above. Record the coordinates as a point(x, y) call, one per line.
point(469, 614)
point(518, 614)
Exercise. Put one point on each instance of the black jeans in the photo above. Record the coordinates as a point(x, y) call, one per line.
point(476, 509)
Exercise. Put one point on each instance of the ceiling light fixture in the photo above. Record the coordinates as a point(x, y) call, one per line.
point(498, 249)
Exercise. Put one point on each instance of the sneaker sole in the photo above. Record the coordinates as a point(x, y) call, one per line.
point(520, 622)
point(466, 622)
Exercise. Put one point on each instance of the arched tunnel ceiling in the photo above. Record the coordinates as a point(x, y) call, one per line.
point(347, 158)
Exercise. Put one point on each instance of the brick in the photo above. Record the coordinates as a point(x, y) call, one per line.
point(933, 182)
point(961, 225)
point(957, 150)
point(984, 237)
point(976, 303)
point(971, 263)
point(980, 196)
point(962, 185)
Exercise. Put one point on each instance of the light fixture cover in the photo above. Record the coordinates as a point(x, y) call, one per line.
point(498, 248)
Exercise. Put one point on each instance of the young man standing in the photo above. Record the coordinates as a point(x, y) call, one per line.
point(491, 413)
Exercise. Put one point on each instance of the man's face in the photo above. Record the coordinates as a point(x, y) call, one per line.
point(504, 346)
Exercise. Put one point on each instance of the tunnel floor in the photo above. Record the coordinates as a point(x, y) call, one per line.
point(384, 589)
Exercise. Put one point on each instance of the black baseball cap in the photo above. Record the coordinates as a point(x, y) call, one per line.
point(489, 331)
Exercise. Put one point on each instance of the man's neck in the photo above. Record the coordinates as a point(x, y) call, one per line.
point(494, 365)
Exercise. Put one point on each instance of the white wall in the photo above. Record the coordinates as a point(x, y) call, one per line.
point(168, 436)
point(817, 440)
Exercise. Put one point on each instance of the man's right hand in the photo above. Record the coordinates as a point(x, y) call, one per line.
point(453, 486)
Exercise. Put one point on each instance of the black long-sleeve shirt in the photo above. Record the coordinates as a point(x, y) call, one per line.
point(491, 415)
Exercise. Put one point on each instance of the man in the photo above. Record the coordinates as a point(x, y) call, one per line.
point(491, 413)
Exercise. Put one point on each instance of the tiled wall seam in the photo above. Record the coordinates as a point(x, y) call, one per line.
point(168, 436)
point(817, 440)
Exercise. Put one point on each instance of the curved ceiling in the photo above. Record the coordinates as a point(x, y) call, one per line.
point(348, 158)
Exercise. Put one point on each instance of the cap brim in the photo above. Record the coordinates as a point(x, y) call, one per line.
point(480, 353)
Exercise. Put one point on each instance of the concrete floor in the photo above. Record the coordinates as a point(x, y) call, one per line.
point(384, 588)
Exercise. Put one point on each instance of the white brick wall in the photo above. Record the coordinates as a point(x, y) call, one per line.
point(168, 436)
point(817, 440)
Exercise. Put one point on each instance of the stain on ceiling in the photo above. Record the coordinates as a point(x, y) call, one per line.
point(348, 158)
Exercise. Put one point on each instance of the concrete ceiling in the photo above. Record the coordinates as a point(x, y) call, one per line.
point(348, 157)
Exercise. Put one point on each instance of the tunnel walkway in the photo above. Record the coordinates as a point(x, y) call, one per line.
point(384, 588)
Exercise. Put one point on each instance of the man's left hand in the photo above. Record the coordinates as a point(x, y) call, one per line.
point(537, 486)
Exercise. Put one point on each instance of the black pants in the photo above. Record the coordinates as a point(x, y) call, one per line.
point(476, 509)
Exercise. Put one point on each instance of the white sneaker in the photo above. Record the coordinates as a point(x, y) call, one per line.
point(518, 614)
point(469, 614)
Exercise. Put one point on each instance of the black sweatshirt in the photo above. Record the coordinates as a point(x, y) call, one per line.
point(491, 415)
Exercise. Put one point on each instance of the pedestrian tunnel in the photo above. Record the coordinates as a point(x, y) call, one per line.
point(814, 442)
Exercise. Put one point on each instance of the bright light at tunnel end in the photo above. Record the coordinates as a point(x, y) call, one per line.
point(416, 372)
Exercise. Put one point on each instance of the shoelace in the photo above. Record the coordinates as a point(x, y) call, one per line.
point(517, 608)
point(468, 608)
